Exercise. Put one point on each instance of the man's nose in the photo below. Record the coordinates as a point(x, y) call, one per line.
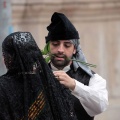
point(61, 48)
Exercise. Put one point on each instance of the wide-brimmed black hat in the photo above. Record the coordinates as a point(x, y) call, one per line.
point(61, 28)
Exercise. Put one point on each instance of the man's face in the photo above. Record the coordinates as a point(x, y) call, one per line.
point(62, 51)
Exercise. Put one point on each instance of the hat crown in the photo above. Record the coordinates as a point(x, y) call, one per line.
point(61, 28)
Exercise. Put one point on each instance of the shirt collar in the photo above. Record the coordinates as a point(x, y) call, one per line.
point(65, 69)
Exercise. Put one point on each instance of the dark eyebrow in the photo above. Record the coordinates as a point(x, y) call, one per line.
point(55, 41)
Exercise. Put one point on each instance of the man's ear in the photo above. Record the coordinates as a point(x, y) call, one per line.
point(74, 51)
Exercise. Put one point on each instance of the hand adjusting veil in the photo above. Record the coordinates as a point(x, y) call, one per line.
point(40, 95)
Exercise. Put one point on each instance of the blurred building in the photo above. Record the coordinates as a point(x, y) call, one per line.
point(5, 27)
point(98, 22)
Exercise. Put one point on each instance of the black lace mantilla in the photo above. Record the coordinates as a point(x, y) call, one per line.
point(29, 90)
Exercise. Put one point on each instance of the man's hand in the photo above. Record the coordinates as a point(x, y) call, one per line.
point(65, 79)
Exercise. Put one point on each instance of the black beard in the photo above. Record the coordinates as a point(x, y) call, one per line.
point(60, 64)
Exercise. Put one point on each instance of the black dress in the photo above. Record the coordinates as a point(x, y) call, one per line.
point(29, 90)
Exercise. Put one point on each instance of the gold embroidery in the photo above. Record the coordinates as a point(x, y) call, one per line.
point(36, 107)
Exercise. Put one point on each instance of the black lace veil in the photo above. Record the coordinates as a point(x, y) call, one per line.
point(44, 97)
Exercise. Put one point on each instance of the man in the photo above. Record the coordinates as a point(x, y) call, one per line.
point(88, 89)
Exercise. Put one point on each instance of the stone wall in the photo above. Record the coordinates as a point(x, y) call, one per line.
point(5, 27)
point(98, 22)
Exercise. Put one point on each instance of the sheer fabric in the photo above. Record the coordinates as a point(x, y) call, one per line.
point(42, 98)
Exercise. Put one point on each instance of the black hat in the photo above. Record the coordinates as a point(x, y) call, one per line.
point(61, 28)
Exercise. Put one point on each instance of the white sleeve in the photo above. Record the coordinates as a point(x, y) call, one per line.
point(94, 98)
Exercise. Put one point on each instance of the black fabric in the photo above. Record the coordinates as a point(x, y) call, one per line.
point(84, 78)
point(61, 28)
point(29, 90)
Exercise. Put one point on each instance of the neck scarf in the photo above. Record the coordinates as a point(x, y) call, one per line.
point(80, 56)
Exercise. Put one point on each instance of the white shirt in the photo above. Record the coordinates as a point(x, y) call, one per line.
point(94, 97)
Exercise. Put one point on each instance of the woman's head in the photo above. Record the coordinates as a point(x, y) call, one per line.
point(20, 51)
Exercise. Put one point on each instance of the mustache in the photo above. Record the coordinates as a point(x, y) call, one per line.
point(60, 55)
